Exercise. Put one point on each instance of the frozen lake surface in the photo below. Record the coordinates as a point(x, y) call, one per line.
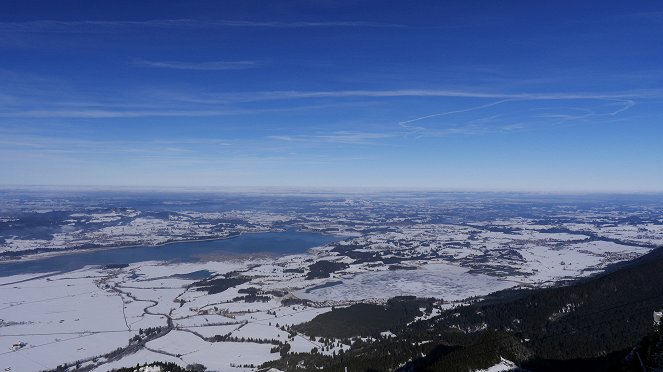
point(444, 281)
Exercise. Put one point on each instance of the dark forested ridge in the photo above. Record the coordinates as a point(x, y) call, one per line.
point(322, 269)
point(219, 284)
point(365, 319)
point(599, 323)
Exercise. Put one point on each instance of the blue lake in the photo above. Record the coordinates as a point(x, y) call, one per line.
point(273, 243)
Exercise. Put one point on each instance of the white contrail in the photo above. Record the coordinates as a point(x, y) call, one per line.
point(404, 123)
point(627, 105)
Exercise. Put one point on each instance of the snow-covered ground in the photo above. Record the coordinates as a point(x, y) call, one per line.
point(190, 348)
point(85, 314)
point(131, 227)
point(61, 318)
point(388, 248)
point(81, 316)
point(503, 366)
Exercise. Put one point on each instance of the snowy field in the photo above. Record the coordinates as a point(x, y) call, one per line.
point(235, 313)
point(79, 317)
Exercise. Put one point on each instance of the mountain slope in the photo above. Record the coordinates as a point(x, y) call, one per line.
point(590, 324)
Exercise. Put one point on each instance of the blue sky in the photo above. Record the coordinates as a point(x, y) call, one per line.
point(558, 96)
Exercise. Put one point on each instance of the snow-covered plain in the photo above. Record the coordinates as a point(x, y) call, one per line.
point(85, 314)
point(61, 318)
point(386, 248)
point(81, 316)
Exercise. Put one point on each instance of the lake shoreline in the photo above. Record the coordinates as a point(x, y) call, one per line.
point(69, 251)
point(245, 245)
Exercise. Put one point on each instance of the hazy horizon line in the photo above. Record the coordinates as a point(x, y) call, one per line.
point(325, 189)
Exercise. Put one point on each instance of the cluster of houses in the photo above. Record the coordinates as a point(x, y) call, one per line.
point(18, 345)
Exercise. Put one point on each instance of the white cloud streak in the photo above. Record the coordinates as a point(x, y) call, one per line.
point(340, 137)
point(42, 26)
point(502, 123)
point(109, 114)
point(207, 105)
point(200, 66)
point(294, 94)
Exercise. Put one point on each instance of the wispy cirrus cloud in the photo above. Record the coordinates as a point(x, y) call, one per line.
point(621, 106)
point(109, 114)
point(154, 108)
point(223, 104)
point(45, 143)
point(89, 26)
point(509, 119)
point(199, 66)
point(340, 137)
point(400, 93)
